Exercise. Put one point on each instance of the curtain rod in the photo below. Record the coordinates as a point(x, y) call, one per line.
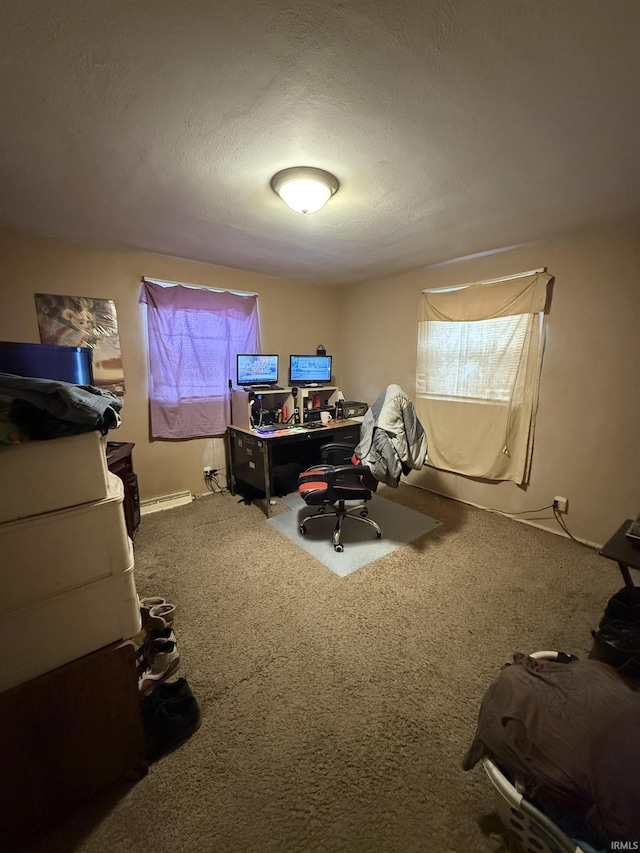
point(486, 281)
point(163, 283)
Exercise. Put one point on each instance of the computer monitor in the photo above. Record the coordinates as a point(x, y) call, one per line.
point(256, 370)
point(309, 369)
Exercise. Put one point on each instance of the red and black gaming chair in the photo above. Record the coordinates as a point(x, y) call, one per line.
point(338, 479)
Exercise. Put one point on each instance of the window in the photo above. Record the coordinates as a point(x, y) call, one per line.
point(487, 353)
point(477, 374)
point(194, 336)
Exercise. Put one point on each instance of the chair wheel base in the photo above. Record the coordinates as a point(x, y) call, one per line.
point(340, 513)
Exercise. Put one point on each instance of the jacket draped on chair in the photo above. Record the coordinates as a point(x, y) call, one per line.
point(392, 439)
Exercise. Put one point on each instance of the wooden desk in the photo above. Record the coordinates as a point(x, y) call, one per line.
point(262, 466)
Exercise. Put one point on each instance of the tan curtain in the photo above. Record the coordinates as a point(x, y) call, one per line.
point(478, 371)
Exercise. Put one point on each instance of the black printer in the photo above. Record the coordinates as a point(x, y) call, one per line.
point(352, 409)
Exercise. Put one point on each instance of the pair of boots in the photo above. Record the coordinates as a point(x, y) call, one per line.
point(157, 657)
point(156, 612)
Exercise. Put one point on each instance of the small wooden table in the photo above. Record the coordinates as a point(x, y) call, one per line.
point(627, 555)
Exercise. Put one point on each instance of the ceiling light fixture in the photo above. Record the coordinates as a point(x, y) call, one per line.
point(304, 189)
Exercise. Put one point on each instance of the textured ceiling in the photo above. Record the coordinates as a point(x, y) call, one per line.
point(454, 126)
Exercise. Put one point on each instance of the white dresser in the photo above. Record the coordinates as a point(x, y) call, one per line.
point(66, 562)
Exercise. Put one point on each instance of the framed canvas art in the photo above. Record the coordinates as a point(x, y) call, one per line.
point(85, 321)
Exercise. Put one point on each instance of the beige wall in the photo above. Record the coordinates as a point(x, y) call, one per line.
point(294, 317)
point(588, 425)
point(587, 444)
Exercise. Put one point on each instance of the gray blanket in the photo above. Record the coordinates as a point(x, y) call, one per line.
point(392, 439)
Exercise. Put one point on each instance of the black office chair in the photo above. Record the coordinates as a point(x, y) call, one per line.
point(337, 480)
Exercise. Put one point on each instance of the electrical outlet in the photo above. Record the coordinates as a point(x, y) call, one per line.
point(207, 470)
point(560, 503)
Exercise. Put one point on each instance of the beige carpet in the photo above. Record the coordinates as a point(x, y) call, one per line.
point(336, 710)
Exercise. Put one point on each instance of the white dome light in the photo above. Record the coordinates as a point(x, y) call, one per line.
point(304, 189)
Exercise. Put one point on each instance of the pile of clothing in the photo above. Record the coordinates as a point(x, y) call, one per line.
point(39, 409)
point(617, 640)
point(567, 734)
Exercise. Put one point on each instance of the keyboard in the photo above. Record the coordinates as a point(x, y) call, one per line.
point(276, 427)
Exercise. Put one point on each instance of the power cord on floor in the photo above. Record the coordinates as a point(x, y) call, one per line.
point(212, 482)
point(540, 509)
point(558, 518)
point(556, 515)
point(565, 528)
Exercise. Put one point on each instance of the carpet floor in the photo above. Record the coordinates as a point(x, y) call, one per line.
point(336, 710)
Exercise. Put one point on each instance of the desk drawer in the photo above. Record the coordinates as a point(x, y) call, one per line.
point(348, 434)
point(247, 447)
point(248, 459)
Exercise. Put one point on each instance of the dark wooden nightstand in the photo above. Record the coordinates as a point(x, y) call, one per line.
point(120, 463)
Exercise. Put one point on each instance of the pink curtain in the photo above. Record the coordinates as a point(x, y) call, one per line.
point(194, 335)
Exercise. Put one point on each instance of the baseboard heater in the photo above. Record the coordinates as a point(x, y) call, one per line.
point(165, 502)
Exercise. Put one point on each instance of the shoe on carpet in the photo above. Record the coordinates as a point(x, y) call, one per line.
point(165, 662)
point(170, 714)
point(146, 653)
point(160, 616)
point(146, 604)
point(151, 601)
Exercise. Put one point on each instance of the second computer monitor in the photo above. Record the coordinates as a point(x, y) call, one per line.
point(256, 370)
point(309, 369)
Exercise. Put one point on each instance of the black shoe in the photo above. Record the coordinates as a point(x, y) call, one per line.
point(170, 714)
